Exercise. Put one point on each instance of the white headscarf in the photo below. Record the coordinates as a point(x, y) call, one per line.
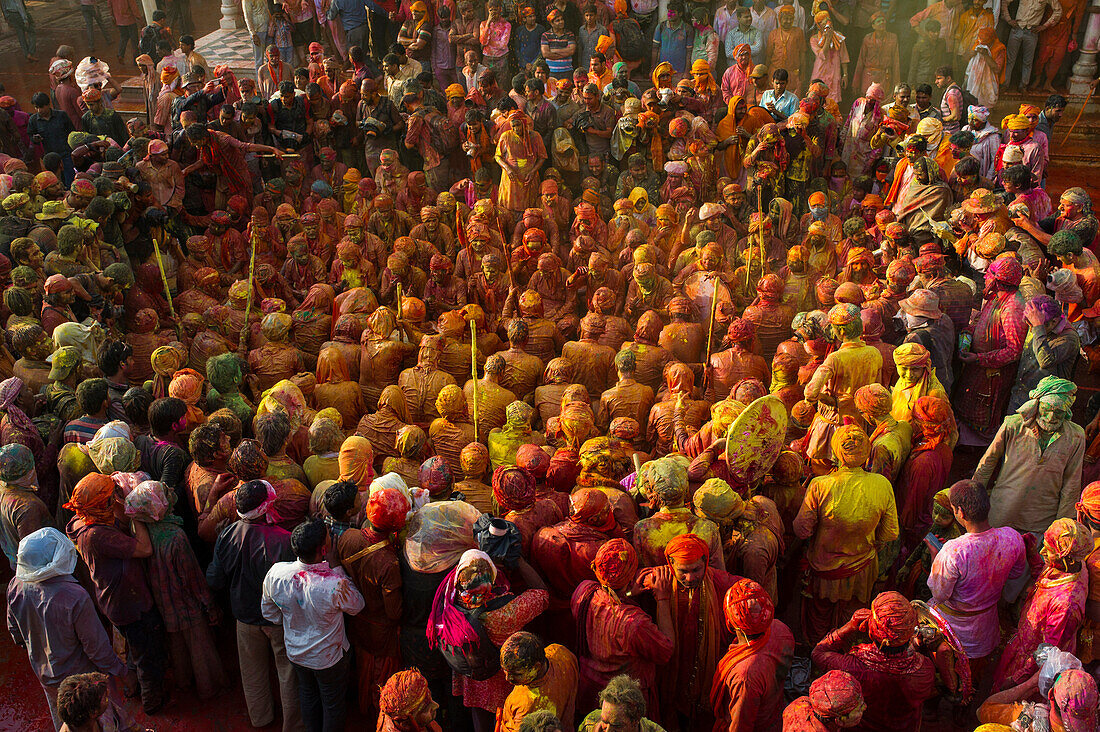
point(44, 554)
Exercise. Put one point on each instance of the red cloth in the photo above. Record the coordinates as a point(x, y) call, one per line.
point(747, 694)
point(924, 475)
point(687, 549)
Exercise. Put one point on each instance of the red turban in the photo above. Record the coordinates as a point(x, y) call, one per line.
point(387, 508)
point(893, 619)
point(748, 607)
point(591, 507)
point(834, 695)
point(687, 549)
point(513, 488)
point(404, 694)
point(741, 331)
point(616, 564)
point(533, 459)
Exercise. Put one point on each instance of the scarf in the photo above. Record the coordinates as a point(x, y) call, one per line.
point(9, 395)
point(708, 641)
point(738, 652)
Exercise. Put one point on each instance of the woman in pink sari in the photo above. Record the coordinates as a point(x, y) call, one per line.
point(863, 122)
point(1055, 606)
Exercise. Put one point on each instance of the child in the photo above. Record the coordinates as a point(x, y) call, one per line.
point(281, 31)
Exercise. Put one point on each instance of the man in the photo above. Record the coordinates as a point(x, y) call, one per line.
point(244, 552)
point(748, 685)
point(922, 102)
point(407, 704)
point(309, 599)
point(164, 175)
point(847, 515)
point(664, 484)
point(121, 584)
point(353, 20)
point(835, 702)
point(777, 100)
point(92, 398)
point(1053, 110)
point(544, 677)
point(1039, 451)
point(627, 398)
point(601, 119)
point(895, 678)
point(257, 17)
point(520, 153)
point(744, 33)
point(21, 21)
point(784, 51)
point(969, 573)
point(990, 364)
point(969, 21)
point(1023, 35)
point(986, 140)
point(622, 706)
point(694, 591)
point(52, 616)
point(99, 120)
point(431, 135)
point(558, 46)
point(926, 325)
point(952, 107)
point(22, 512)
point(223, 156)
point(672, 40)
point(50, 128)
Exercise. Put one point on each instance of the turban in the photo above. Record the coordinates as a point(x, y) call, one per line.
point(741, 331)
point(687, 549)
point(44, 554)
point(410, 441)
point(663, 481)
point(1029, 110)
point(591, 507)
point(1067, 540)
point(248, 461)
point(912, 355)
point(821, 16)
point(558, 371)
point(1088, 507)
point(513, 488)
point(748, 608)
point(435, 477)
point(113, 455)
point(836, 694)
point(533, 459)
point(873, 398)
point(404, 694)
point(57, 283)
point(1017, 122)
point(386, 509)
point(817, 198)
point(276, 326)
point(166, 361)
point(716, 500)
point(893, 620)
point(92, 499)
point(845, 313)
point(616, 564)
point(1075, 695)
point(451, 403)
point(1056, 391)
point(850, 445)
point(981, 113)
point(356, 460)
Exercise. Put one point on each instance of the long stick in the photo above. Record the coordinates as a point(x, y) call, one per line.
point(473, 368)
point(710, 331)
point(1078, 118)
point(164, 279)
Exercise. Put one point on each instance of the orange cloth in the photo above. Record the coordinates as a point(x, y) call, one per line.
point(93, 499)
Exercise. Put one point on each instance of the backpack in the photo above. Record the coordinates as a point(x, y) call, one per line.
point(629, 39)
point(479, 660)
point(150, 34)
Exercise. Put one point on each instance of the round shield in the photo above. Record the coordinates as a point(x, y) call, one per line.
point(699, 287)
point(755, 439)
point(948, 655)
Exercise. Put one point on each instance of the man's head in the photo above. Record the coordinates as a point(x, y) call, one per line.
point(115, 358)
point(923, 96)
point(943, 77)
point(1054, 108)
point(523, 658)
point(81, 699)
point(687, 555)
point(622, 706)
point(310, 541)
point(969, 501)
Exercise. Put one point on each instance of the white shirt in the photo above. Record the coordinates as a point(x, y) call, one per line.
point(310, 600)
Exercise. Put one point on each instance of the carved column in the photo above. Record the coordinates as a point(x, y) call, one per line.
point(232, 18)
point(1084, 69)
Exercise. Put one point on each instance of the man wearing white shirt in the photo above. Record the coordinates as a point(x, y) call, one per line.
point(309, 598)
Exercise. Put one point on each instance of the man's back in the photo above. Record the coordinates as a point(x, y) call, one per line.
point(243, 554)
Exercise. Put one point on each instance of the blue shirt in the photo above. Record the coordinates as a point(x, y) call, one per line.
point(785, 105)
point(528, 42)
point(353, 13)
point(675, 45)
point(752, 37)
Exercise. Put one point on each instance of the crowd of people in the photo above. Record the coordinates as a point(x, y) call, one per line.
point(555, 367)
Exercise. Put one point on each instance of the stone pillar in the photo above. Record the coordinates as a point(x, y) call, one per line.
point(1084, 69)
point(232, 18)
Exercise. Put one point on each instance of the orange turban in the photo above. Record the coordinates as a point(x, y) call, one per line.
point(93, 498)
point(834, 695)
point(687, 549)
point(748, 607)
point(1089, 505)
point(404, 694)
point(851, 446)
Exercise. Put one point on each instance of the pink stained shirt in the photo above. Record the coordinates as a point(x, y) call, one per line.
point(966, 580)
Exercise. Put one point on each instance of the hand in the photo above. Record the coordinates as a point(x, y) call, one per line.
point(1013, 24)
point(581, 271)
point(213, 615)
point(718, 446)
point(658, 581)
point(968, 356)
point(860, 619)
point(256, 39)
point(1072, 46)
point(1092, 429)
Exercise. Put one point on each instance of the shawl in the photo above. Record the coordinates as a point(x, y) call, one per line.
point(738, 652)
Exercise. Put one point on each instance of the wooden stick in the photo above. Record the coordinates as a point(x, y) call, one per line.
point(1078, 118)
point(473, 369)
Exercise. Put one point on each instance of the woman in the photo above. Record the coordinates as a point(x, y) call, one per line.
point(475, 586)
point(925, 472)
point(986, 71)
point(335, 388)
point(830, 53)
point(286, 396)
point(1055, 604)
point(381, 426)
point(862, 123)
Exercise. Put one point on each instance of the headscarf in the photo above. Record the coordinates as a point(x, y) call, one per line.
point(615, 565)
point(591, 507)
point(86, 339)
point(392, 399)
point(286, 397)
point(17, 466)
point(1059, 393)
point(186, 385)
point(748, 608)
point(687, 549)
point(435, 477)
point(1067, 541)
point(451, 404)
point(937, 419)
point(513, 488)
point(663, 481)
point(410, 441)
point(332, 368)
point(447, 623)
point(893, 619)
point(93, 499)
point(114, 455)
point(44, 554)
point(1089, 505)
point(388, 507)
point(264, 509)
point(10, 389)
point(1074, 694)
point(148, 501)
point(356, 461)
